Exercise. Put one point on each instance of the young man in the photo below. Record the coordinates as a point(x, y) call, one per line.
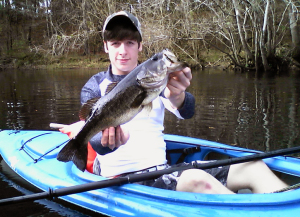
point(138, 146)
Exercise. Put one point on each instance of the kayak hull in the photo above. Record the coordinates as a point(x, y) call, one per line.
point(32, 155)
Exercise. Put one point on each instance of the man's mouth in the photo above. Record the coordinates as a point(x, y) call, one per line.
point(123, 60)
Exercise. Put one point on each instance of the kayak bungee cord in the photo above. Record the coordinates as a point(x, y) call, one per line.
point(292, 187)
point(36, 160)
point(23, 148)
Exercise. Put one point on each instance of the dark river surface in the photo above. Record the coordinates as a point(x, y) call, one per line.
point(257, 112)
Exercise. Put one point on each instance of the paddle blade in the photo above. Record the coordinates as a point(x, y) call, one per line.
point(74, 151)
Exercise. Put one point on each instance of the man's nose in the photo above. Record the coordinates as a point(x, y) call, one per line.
point(122, 49)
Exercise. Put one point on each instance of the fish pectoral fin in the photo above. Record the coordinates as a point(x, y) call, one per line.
point(110, 87)
point(86, 108)
point(138, 100)
point(73, 151)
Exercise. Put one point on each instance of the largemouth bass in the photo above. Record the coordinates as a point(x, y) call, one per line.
point(135, 92)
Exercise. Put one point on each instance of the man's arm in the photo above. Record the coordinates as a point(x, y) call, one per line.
point(90, 90)
point(175, 91)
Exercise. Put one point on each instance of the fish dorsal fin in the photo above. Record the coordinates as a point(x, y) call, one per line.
point(86, 108)
point(110, 87)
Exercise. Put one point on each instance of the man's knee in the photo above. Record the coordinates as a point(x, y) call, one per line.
point(248, 169)
point(193, 179)
point(248, 176)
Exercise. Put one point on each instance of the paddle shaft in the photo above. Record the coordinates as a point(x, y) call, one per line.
point(144, 176)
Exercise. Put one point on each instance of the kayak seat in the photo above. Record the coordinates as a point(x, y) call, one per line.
point(183, 153)
point(180, 152)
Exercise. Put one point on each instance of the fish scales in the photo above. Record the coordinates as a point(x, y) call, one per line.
point(123, 105)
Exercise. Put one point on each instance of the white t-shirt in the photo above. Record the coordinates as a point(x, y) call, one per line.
point(145, 147)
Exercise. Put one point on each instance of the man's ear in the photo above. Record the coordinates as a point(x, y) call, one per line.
point(105, 47)
point(141, 46)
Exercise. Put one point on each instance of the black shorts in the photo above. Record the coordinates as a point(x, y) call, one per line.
point(169, 181)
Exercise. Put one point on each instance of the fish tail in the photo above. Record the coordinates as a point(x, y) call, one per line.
point(74, 151)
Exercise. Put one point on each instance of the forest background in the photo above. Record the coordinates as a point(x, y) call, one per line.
point(261, 35)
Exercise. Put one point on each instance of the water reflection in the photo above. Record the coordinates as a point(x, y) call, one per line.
point(33, 99)
point(239, 109)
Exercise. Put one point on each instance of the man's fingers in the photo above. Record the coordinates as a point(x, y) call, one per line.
point(118, 136)
point(180, 79)
point(111, 138)
point(114, 137)
point(104, 139)
point(124, 136)
point(188, 73)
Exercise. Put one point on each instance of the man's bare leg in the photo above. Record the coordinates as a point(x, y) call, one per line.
point(198, 181)
point(255, 176)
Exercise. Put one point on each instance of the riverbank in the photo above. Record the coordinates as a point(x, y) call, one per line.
point(99, 61)
point(37, 61)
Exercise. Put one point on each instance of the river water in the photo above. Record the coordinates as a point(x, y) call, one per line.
point(260, 112)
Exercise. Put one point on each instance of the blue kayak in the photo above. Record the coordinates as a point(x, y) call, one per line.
point(32, 155)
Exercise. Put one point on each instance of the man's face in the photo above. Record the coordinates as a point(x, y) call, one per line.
point(123, 55)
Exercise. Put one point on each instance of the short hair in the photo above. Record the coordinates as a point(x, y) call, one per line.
point(120, 29)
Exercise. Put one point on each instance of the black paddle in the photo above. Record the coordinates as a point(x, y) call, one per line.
point(143, 176)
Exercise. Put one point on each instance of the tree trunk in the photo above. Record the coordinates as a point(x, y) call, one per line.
point(264, 37)
point(8, 26)
point(295, 31)
point(48, 23)
point(85, 29)
point(249, 55)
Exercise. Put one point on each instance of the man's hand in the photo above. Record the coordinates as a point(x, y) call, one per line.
point(73, 129)
point(177, 84)
point(114, 137)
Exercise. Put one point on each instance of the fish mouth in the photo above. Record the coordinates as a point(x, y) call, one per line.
point(173, 64)
point(170, 56)
point(154, 84)
point(169, 59)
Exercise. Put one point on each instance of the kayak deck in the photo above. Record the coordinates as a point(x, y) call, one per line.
point(32, 155)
